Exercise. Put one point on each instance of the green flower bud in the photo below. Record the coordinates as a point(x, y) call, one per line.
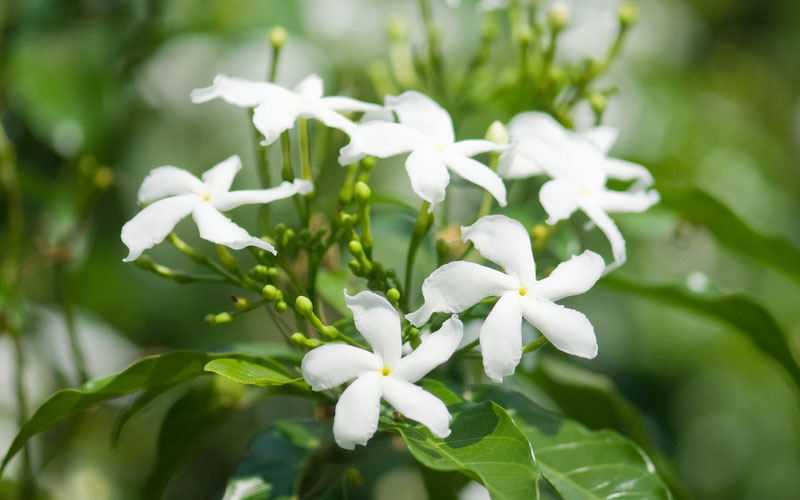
point(313, 343)
point(272, 273)
point(413, 332)
point(362, 192)
point(355, 267)
point(240, 303)
point(270, 293)
point(598, 102)
point(281, 307)
point(346, 220)
point(393, 294)
point(261, 270)
point(303, 305)
point(218, 319)
point(497, 133)
point(628, 13)
point(558, 17)
point(278, 36)
point(368, 162)
point(144, 262)
point(397, 27)
point(355, 248)
point(299, 339)
point(103, 178)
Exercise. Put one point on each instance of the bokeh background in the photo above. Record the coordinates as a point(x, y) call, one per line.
point(709, 95)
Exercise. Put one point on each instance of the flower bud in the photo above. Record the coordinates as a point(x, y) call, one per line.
point(299, 339)
point(628, 13)
point(240, 303)
point(355, 267)
point(303, 305)
point(355, 248)
point(261, 270)
point(368, 162)
point(103, 178)
point(278, 36)
point(397, 27)
point(218, 319)
point(497, 133)
point(539, 231)
point(346, 220)
point(281, 307)
point(270, 293)
point(442, 249)
point(393, 294)
point(598, 102)
point(558, 17)
point(362, 192)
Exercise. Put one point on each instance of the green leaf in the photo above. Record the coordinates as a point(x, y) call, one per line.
point(246, 372)
point(578, 463)
point(697, 206)
point(484, 444)
point(145, 398)
point(154, 371)
point(247, 488)
point(738, 311)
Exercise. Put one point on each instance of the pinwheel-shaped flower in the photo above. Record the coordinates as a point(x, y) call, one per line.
point(579, 167)
point(277, 108)
point(174, 193)
point(460, 285)
point(426, 131)
point(382, 373)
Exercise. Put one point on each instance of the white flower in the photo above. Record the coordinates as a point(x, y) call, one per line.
point(174, 193)
point(277, 108)
point(460, 285)
point(382, 373)
point(426, 131)
point(579, 167)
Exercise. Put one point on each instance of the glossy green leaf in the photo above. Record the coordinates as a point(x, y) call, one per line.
point(247, 488)
point(142, 400)
point(738, 311)
point(247, 372)
point(484, 444)
point(697, 206)
point(154, 371)
point(578, 463)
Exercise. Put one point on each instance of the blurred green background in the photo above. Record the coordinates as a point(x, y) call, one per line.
point(709, 95)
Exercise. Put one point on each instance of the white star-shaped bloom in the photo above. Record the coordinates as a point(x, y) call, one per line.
point(174, 193)
point(426, 131)
point(277, 108)
point(383, 373)
point(459, 285)
point(579, 166)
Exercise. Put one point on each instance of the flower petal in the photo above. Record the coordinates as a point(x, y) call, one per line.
point(154, 223)
point(567, 329)
point(605, 224)
point(572, 277)
point(559, 199)
point(357, 412)
point(238, 91)
point(628, 171)
point(381, 139)
point(434, 350)
point(378, 323)
point(537, 124)
point(218, 179)
point(328, 116)
point(233, 199)
point(310, 87)
point(334, 364)
point(428, 175)
point(630, 201)
point(422, 113)
point(501, 337)
point(275, 116)
point(457, 286)
point(602, 137)
point(348, 104)
point(505, 242)
point(219, 229)
point(417, 404)
point(513, 165)
point(473, 147)
point(477, 173)
point(168, 181)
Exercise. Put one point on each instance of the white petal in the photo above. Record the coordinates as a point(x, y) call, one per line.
point(543, 156)
point(501, 337)
point(334, 364)
point(328, 116)
point(238, 91)
point(428, 175)
point(357, 412)
point(477, 173)
point(631, 201)
point(233, 199)
point(505, 242)
point(219, 229)
point(275, 116)
point(378, 323)
point(155, 222)
point(513, 165)
point(567, 329)
point(572, 277)
point(348, 104)
point(310, 87)
point(473, 147)
point(602, 137)
point(168, 181)
point(559, 198)
point(420, 112)
point(457, 286)
point(218, 179)
point(434, 350)
point(537, 124)
point(628, 171)
point(381, 139)
point(417, 404)
point(605, 224)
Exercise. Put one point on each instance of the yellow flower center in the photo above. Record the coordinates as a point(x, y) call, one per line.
point(585, 191)
point(440, 147)
point(385, 371)
point(523, 291)
point(206, 196)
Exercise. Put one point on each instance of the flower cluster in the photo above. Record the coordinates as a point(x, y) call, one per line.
point(577, 165)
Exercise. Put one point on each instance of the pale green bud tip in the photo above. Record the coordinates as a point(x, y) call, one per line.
point(628, 13)
point(278, 36)
point(218, 319)
point(368, 162)
point(241, 304)
point(413, 332)
point(558, 17)
point(497, 133)
point(362, 192)
point(298, 338)
point(397, 28)
point(393, 294)
point(598, 102)
point(355, 247)
point(303, 305)
point(270, 292)
point(281, 307)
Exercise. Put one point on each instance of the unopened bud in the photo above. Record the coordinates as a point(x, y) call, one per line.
point(598, 102)
point(362, 192)
point(539, 231)
point(103, 178)
point(397, 28)
point(261, 270)
point(368, 162)
point(393, 294)
point(299, 339)
point(628, 13)
point(497, 133)
point(218, 319)
point(355, 248)
point(442, 249)
point(303, 305)
point(355, 267)
point(278, 36)
point(240, 303)
point(281, 307)
point(558, 17)
point(270, 293)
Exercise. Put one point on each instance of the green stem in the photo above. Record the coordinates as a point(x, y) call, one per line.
point(432, 36)
point(69, 319)
point(9, 270)
point(201, 259)
point(488, 199)
point(421, 226)
point(305, 149)
point(27, 482)
point(536, 344)
point(262, 160)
